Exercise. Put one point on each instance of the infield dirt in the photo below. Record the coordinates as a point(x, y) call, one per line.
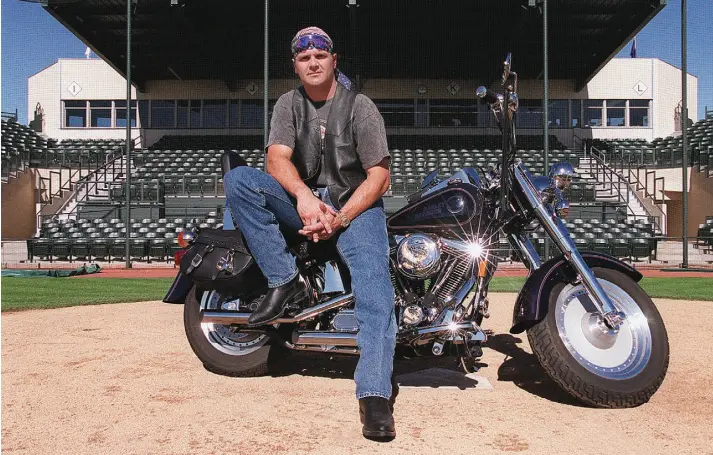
point(121, 379)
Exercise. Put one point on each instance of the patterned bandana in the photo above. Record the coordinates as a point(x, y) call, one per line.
point(311, 38)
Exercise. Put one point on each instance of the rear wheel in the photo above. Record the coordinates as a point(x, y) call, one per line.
point(597, 365)
point(223, 349)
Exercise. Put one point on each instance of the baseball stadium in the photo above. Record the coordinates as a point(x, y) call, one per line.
point(121, 157)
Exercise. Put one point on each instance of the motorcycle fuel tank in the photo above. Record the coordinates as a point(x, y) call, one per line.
point(458, 206)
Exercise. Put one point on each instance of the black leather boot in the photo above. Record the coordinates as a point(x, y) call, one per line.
point(394, 393)
point(277, 300)
point(377, 418)
point(392, 400)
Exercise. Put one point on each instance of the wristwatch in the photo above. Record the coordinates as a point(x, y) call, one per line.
point(345, 220)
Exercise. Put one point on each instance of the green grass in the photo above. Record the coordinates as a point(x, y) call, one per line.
point(36, 293)
point(679, 288)
point(668, 288)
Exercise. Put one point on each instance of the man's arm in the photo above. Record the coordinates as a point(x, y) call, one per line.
point(376, 184)
point(281, 168)
point(310, 209)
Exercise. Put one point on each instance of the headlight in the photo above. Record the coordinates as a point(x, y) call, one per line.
point(561, 175)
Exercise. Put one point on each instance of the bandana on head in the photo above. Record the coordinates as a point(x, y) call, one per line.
point(311, 38)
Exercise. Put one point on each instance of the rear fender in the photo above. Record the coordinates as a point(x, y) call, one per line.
point(179, 289)
point(533, 300)
point(182, 284)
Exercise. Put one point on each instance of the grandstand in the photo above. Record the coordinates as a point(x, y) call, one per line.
point(18, 144)
point(175, 189)
point(186, 115)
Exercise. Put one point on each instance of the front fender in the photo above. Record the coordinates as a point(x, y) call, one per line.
point(533, 300)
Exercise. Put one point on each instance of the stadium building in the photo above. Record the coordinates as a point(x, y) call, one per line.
point(199, 89)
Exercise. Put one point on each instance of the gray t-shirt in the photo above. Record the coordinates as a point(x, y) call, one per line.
point(367, 128)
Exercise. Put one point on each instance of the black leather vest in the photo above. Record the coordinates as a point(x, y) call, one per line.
point(342, 169)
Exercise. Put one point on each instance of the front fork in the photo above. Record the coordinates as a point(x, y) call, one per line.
point(560, 235)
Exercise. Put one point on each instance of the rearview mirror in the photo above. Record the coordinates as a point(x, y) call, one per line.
point(507, 64)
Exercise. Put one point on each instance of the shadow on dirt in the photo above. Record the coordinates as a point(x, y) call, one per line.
point(520, 367)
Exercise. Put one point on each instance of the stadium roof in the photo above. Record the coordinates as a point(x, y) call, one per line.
point(218, 39)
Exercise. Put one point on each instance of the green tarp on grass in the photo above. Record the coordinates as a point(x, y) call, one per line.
point(84, 270)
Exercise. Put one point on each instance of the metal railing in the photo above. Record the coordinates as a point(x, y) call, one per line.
point(624, 177)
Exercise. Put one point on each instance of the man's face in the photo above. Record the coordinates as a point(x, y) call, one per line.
point(315, 67)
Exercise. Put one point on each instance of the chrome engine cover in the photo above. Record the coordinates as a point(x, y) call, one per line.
point(345, 321)
point(418, 256)
point(412, 315)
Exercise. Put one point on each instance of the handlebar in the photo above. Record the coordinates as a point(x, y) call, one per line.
point(488, 95)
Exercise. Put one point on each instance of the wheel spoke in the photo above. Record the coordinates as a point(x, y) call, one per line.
point(225, 338)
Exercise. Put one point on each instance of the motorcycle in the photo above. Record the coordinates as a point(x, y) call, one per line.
point(593, 329)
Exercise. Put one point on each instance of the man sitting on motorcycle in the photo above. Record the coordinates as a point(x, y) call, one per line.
point(327, 168)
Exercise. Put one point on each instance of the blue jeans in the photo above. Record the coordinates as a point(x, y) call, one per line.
point(266, 215)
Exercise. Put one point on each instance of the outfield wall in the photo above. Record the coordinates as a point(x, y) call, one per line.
point(19, 220)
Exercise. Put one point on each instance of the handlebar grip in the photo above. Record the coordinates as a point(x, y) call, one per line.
point(489, 96)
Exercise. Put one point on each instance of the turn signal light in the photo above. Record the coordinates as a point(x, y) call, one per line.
point(185, 238)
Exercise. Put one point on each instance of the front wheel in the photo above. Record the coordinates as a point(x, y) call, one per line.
point(223, 349)
point(596, 365)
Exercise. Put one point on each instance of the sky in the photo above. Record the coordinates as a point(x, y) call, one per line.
point(33, 40)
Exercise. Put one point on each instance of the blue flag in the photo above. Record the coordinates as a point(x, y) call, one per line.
point(632, 53)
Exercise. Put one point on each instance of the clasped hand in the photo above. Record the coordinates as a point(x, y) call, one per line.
point(319, 219)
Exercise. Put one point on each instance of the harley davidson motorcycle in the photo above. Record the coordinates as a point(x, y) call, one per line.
point(595, 332)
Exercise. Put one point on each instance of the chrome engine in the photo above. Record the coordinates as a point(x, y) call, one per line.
point(418, 256)
point(431, 268)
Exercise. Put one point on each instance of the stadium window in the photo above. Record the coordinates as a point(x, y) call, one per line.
point(593, 113)
point(530, 114)
point(638, 112)
point(195, 114)
point(120, 113)
point(422, 112)
point(485, 116)
point(163, 113)
point(251, 113)
point(576, 114)
point(234, 114)
point(100, 114)
point(182, 113)
point(397, 113)
point(75, 114)
point(616, 112)
point(144, 113)
point(214, 112)
point(453, 113)
point(558, 113)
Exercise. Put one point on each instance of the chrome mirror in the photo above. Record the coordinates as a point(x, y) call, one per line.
point(506, 67)
point(561, 175)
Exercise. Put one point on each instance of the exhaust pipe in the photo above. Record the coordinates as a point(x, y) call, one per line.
point(231, 318)
point(325, 338)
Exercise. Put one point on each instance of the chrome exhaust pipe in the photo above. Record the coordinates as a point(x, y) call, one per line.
point(324, 338)
point(231, 318)
point(329, 349)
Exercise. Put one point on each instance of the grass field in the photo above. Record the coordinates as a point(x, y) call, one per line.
point(37, 293)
